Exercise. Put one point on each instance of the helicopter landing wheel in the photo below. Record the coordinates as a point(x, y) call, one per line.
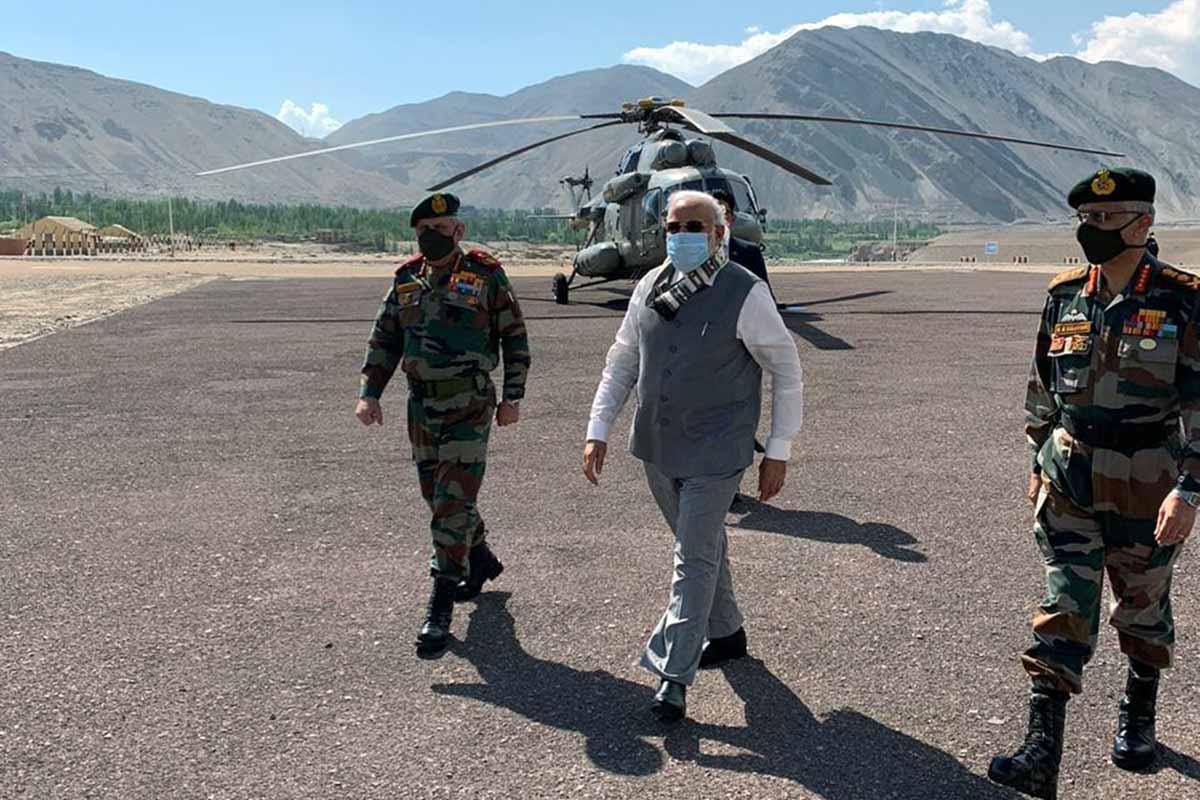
point(561, 289)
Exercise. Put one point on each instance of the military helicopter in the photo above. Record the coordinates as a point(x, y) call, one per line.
point(625, 222)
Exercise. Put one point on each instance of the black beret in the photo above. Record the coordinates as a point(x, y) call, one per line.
point(436, 205)
point(1113, 185)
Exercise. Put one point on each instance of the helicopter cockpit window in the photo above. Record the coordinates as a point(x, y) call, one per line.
point(712, 185)
point(652, 207)
point(741, 197)
point(689, 186)
point(630, 162)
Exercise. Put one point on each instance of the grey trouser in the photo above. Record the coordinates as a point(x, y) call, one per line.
point(702, 604)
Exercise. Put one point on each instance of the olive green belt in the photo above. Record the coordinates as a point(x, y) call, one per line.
point(450, 387)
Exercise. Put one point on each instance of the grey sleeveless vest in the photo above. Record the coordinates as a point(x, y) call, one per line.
point(699, 390)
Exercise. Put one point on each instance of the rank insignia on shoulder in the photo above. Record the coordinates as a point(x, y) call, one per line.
point(413, 262)
point(483, 257)
point(1183, 278)
point(1068, 276)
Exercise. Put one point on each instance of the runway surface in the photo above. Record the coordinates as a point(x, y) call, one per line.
point(212, 575)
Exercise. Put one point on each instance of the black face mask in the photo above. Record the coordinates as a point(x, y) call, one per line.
point(1101, 246)
point(434, 244)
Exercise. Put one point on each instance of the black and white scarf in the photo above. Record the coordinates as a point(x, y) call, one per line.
point(668, 295)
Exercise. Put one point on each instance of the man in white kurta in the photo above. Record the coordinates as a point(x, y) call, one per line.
point(697, 336)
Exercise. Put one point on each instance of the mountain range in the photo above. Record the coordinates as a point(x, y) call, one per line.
point(69, 127)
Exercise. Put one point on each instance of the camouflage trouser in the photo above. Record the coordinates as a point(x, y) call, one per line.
point(1097, 511)
point(449, 442)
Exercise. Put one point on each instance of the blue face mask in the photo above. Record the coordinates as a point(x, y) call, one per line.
point(687, 251)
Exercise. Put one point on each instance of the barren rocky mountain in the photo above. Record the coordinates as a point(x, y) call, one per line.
point(68, 127)
point(85, 131)
point(530, 181)
point(941, 80)
point(923, 78)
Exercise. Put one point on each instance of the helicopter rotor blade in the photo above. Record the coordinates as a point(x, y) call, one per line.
point(403, 136)
point(920, 128)
point(519, 151)
point(710, 126)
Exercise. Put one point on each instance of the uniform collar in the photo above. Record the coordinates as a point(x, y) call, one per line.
point(1139, 283)
point(427, 269)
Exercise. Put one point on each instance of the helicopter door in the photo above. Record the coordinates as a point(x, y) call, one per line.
point(651, 221)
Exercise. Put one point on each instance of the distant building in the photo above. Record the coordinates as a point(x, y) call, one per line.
point(118, 232)
point(61, 235)
point(330, 236)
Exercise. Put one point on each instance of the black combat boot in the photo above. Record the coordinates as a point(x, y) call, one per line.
point(484, 567)
point(1134, 745)
point(1034, 768)
point(435, 633)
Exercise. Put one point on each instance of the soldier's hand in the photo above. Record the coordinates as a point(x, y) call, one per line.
point(1175, 521)
point(593, 459)
point(369, 411)
point(1035, 487)
point(507, 413)
point(771, 475)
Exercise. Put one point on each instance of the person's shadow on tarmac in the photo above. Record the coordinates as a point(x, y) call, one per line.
point(822, 526)
point(845, 755)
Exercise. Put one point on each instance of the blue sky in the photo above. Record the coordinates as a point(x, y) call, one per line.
point(360, 56)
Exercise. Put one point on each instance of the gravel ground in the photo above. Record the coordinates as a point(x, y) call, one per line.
point(212, 575)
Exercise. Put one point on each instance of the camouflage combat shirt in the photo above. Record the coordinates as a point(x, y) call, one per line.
point(1111, 360)
point(446, 324)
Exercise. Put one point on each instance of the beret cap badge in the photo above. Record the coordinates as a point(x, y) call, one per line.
point(1103, 184)
point(438, 203)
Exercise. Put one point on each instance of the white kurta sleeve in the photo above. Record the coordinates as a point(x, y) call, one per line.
point(770, 343)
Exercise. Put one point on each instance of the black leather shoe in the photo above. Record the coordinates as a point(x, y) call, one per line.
point(484, 567)
point(435, 632)
point(1135, 744)
point(1033, 769)
point(718, 651)
point(670, 701)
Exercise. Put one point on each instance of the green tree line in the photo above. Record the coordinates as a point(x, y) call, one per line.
point(379, 228)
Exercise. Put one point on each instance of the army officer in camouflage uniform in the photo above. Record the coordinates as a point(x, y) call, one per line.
point(1114, 422)
point(444, 322)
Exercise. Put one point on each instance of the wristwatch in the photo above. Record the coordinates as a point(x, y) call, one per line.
point(1191, 498)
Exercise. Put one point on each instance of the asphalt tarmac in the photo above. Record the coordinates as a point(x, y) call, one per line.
point(212, 575)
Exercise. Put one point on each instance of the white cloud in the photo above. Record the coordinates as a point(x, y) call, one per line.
point(316, 123)
point(1168, 39)
point(969, 19)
